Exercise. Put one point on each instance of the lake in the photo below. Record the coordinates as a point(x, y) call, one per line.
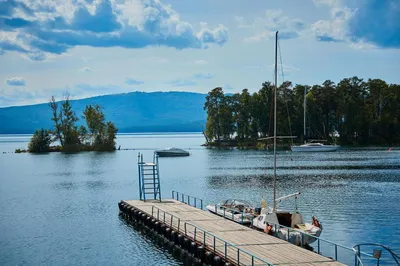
point(61, 209)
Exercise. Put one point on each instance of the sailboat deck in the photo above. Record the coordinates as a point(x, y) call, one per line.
point(266, 247)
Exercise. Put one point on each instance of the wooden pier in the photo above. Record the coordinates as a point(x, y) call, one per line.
point(235, 243)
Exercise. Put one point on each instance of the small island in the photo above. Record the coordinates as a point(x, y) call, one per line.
point(99, 135)
point(352, 112)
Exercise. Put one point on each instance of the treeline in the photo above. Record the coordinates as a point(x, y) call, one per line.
point(361, 112)
point(99, 135)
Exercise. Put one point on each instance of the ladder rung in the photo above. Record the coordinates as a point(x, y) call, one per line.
point(151, 193)
point(150, 178)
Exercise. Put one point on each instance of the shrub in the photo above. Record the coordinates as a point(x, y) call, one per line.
point(40, 142)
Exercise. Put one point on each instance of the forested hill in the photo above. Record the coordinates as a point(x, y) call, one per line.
point(130, 112)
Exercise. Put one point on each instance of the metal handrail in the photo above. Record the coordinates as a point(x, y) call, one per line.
point(395, 257)
point(205, 234)
point(319, 239)
point(181, 197)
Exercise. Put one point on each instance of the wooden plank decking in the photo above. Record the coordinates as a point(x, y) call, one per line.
point(266, 247)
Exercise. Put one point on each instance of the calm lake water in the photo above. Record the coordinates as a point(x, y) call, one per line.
point(61, 209)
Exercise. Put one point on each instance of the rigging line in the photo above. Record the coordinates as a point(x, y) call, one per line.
point(284, 94)
point(309, 206)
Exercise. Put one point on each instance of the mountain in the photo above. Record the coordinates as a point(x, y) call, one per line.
point(130, 112)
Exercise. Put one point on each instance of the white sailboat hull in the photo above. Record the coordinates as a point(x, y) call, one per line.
point(294, 235)
point(306, 148)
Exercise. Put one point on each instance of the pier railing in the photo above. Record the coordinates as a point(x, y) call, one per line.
point(189, 200)
point(198, 203)
point(239, 217)
point(211, 242)
point(319, 241)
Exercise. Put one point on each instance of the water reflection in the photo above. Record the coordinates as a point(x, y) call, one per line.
point(95, 185)
point(67, 185)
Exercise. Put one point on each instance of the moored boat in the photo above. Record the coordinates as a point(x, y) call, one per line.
point(239, 211)
point(286, 225)
point(314, 146)
point(172, 152)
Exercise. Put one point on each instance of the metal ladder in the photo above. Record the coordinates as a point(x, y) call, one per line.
point(149, 179)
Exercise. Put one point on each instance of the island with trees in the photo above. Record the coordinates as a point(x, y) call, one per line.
point(99, 135)
point(351, 112)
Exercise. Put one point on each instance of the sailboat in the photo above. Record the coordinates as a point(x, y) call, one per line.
point(284, 224)
point(313, 145)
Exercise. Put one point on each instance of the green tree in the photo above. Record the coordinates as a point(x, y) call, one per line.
point(351, 95)
point(94, 119)
point(65, 129)
point(213, 104)
point(57, 119)
point(40, 142)
point(102, 134)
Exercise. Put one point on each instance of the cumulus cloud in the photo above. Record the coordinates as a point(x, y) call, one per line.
point(37, 28)
point(130, 81)
point(182, 83)
point(372, 23)
point(86, 69)
point(274, 20)
point(15, 81)
point(202, 76)
point(200, 62)
point(191, 81)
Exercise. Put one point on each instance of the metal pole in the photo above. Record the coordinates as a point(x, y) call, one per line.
point(275, 89)
point(140, 179)
point(305, 106)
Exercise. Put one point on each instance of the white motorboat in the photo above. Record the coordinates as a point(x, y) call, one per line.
point(286, 225)
point(314, 146)
point(240, 211)
point(172, 152)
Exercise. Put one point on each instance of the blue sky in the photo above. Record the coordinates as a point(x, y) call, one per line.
point(95, 47)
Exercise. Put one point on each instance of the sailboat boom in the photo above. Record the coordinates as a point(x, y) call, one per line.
point(278, 200)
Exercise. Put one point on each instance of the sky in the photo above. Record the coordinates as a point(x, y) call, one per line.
point(94, 47)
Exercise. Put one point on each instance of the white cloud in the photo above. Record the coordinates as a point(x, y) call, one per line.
point(336, 28)
point(328, 2)
point(202, 76)
point(274, 20)
point(38, 28)
point(201, 62)
point(86, 69)
point(371, 24)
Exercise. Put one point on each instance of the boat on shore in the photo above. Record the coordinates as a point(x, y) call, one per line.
point(172, 152)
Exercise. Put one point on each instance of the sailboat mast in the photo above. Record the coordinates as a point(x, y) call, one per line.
point(275, 89)
point(305, 104)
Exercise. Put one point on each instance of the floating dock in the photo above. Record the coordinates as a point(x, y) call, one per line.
point(215, 240)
